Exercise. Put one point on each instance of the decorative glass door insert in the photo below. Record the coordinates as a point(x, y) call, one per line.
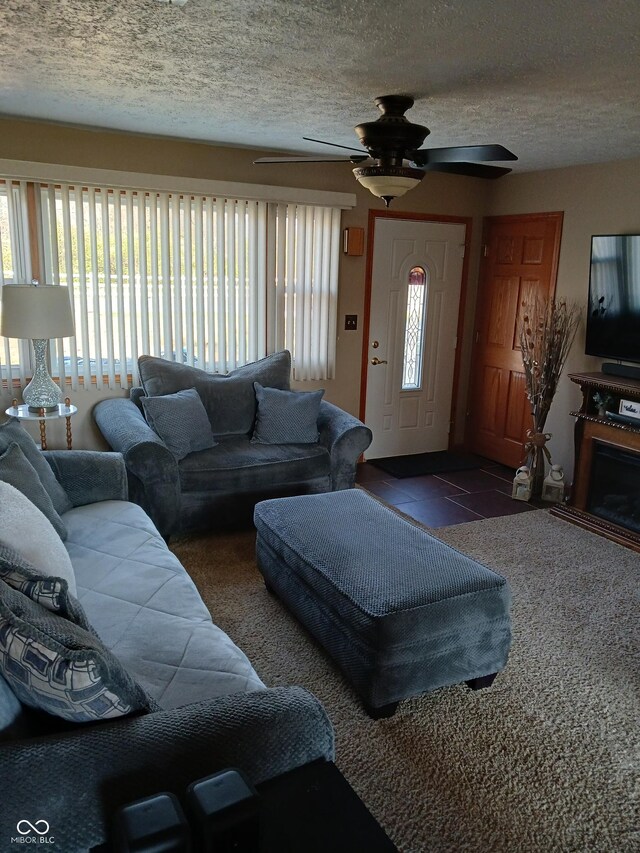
point(415, 325)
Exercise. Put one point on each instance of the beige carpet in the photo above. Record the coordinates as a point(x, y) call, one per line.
point(546, 760)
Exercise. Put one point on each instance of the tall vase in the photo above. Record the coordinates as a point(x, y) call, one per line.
point(537, 457)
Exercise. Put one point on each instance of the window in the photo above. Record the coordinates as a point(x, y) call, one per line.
point(415, 324)
point(214, 282)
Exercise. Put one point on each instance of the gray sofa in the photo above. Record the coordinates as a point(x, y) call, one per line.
point(220, 485)
point(216, 712)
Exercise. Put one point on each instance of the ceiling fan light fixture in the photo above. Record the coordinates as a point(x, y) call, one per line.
point(388, 182)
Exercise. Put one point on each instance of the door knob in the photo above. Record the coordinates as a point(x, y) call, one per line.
point(376, 360)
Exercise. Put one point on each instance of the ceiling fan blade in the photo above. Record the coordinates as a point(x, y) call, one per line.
point(462, 154)
point(472, 170)
point(311, 159)
point(334, 144)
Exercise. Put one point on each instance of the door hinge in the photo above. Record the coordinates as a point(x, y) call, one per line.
point(485, 250)
point(478, 337)
point(462, 250)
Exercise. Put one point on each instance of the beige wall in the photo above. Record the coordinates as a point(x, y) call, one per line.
point(596, 199)
point(438, 194)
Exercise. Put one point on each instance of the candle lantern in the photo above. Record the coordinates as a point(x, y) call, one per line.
point(522, 484)
point(553, 486)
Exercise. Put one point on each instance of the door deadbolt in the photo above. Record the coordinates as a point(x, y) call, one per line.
point(375, 344)
point(376, 360)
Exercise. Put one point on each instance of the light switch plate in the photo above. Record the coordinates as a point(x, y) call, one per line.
point(351, 322)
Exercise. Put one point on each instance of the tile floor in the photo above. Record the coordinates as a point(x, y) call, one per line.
point(439, 500)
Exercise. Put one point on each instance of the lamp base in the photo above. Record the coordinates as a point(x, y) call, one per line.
point(46, 409)
point(42, 392)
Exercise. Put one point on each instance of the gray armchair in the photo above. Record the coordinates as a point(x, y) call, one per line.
point(219, 486)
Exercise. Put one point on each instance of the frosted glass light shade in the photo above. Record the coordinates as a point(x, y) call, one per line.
point(388, 183)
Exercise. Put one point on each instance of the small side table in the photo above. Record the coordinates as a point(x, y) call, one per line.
point(315, 809)
point(64, 410)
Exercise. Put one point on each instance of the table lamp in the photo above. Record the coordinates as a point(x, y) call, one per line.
point(39, 312)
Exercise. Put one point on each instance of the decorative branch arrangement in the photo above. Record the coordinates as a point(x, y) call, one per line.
point(546, 333)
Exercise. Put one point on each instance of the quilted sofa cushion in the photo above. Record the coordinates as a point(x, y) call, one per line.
point(229, 398)
point(238, 464)
point(146, 609)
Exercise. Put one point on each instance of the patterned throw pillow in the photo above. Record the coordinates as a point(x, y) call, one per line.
point(180, 420)
point(16, 470)
point(286, 417)
point(58, 667)
point(51, 592)
point(25, 529)
point(11, 431)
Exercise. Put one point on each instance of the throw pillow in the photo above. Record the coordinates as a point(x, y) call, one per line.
point(180, 420)
point(11, 432)
point(28, 531)
point(286, 417)
point(50, 591)
point(228, 398)
point(56, 666)
point(16, 470)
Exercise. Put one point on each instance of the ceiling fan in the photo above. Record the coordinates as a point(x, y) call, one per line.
point(393, 143)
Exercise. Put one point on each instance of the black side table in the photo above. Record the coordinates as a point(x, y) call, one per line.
point(313, 809)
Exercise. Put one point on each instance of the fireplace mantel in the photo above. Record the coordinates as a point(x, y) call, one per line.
point(593, 430)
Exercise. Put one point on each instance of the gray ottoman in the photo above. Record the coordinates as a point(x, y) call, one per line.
point(400, 612)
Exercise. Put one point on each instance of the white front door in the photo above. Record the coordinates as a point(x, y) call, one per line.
point(415, 298)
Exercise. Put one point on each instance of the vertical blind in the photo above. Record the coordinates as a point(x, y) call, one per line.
point(305, 251)
point(212, 282)
point(162, 274)
point(15, 266)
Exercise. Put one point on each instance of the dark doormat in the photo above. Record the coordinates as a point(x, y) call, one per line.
point(439, 462)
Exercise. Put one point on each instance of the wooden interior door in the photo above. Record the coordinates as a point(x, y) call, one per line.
point(520, 257)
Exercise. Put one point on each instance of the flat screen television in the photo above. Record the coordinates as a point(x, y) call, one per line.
point(613, 320)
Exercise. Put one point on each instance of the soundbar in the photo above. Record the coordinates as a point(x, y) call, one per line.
point(627, 370)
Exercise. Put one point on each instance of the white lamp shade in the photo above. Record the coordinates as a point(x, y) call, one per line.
point(36, 311)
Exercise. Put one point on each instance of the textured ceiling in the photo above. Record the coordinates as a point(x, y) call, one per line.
point(556, 81)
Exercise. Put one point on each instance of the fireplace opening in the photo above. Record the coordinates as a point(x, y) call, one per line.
point(615, 486)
